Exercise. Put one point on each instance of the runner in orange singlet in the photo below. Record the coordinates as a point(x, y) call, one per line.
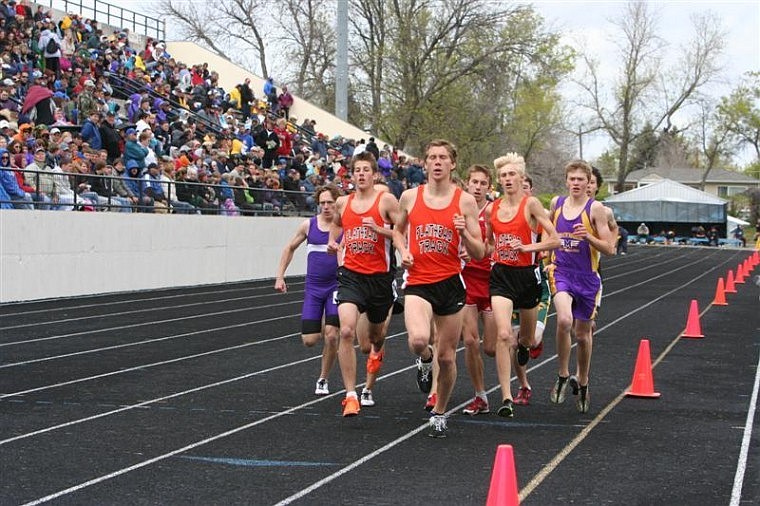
point(435, 219)
point(365, 280)
point(515, 282)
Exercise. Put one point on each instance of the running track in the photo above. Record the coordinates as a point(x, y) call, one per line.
point(204, 395)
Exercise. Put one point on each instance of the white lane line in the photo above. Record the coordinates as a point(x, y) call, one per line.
point(160, 399)
point(147, 341)
point(539, 477)
point(547, 469)
point(144, 324)
point(145, 366)
point(146, 310)
point(122, 302)
point(741, 465)
point(179, 394)
point(334, 475)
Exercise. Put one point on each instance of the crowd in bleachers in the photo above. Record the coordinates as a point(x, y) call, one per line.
point(88, 122)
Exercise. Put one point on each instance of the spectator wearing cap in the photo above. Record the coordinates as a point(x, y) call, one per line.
point(134, 150)
point(110, 137)
point(91, 130)
point(319, 145)
point(5, 131)
point(38, 175)
point(86, 102)
point(51, 51)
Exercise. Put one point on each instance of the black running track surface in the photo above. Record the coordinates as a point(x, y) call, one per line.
point(204, 395)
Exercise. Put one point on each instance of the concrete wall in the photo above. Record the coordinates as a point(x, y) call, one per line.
point(51, 254)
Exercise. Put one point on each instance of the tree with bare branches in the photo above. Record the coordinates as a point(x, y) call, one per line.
point(645, 95)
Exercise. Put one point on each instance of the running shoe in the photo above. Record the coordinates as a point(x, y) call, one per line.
point(584, 400)
point(351, 406)
point(507, 409)
point(431, 400)
point(572, 382)
point(583, 403)
point(425, 374)
point(523, 354)
point(366, 398)
point(437, 426)
point(523, 396)
point(536, 351)
point(322, 388)
point(559, 390)
point(476, 407)
point(375, 361)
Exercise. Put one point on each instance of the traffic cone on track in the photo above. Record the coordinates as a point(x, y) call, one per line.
point(739, 275)
point(503, 489)
point(693, 328)
point(642, 384)
point(720, 294)
point(730, 286)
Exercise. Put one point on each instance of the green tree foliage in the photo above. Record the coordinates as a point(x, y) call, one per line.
point(739, 113)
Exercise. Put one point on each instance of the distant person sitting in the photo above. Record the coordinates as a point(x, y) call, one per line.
point(643, 232)
point(712, 236)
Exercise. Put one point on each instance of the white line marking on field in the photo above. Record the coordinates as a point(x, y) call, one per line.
point(741, 465)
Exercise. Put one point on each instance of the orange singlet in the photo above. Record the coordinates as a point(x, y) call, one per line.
point(366, 251)
point(433, 241)
point(504, 231)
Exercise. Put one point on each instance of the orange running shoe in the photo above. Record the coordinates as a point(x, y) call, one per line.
point(375, 361)
point(351, 406)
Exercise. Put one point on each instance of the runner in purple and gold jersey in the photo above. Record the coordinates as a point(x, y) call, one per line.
point(574, 280)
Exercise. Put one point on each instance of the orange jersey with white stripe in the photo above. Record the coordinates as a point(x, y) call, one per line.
point(433, 241)
point(365, 251)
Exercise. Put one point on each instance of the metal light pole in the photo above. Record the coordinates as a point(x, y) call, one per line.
point(341, 62)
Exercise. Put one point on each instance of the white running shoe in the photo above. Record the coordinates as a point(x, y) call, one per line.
point(322, 387)
point(366, 398)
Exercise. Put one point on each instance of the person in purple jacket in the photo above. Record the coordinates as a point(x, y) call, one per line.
point(321, 282)
point(584, 233)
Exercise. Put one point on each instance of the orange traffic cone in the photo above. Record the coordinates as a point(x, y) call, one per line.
point(739, 275)
point(642, 384)
point(693, 328)
point(730, 286)
point(503, 489)
point(720, 294)
point(755, 258)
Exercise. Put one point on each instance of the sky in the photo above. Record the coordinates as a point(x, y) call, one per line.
point(589, 21)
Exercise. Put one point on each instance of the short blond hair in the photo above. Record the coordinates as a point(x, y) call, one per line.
point(510, 159)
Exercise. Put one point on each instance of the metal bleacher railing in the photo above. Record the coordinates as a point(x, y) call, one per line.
point(112, 15)
point(266, 201)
